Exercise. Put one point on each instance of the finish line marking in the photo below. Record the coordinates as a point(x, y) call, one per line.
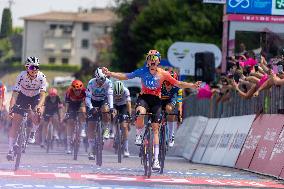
point(153, 179)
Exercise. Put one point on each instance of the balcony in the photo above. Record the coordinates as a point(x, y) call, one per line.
point(59, 33)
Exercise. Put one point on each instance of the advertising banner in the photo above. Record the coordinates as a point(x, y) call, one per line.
point(276, 160)
point(204, 141)
point(272, 126)
point(182, 55)
point(210, 157)
point(182, 136)
point(267, 7)
point(194, 136)
point(252, 140)
point(249, 6)
point(239, 130)
point(215, 1)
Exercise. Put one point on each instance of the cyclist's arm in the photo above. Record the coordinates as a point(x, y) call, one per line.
point(88, 99)
point(180, 84)
point(42, 98)
point(110, 96)
point(13, 99)
point(124, 76)
point(128, 101)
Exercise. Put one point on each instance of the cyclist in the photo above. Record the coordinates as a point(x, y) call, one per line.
point(29, 91)
point(171, 97)
point(149, 100)
point(99, 94)
point(122, 105)
point(74, 99)
point(51, 111)
point(2, 103)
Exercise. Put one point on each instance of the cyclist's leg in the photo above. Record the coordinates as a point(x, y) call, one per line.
point(33, 101)
point(106, 118)
point(141, 107)
point(16, 121)
point(55, 123)
point(172, 123)
point(70, 131)
point(124, 126)
point(91, 130)
point(44, 130)
point(156, 110)
point(82, 120)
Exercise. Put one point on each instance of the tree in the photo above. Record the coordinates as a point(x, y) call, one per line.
point(124, 45)
point(163, 22)
point(6, 24)
point(6, 51)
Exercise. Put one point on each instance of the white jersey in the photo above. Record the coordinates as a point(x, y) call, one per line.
point(30, 87)
point(99, 93)
point(123, 99)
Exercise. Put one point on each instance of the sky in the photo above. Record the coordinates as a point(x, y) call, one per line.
point(21, 8)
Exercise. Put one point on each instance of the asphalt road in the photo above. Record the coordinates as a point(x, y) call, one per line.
point(58, 170)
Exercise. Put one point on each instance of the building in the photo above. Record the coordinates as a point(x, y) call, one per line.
point(67, 37)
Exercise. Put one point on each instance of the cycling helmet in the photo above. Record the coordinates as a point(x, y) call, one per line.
point(99, 75)
point(118, 88)
point(77, 84)
point(153, 53)
point(31, 61)
point(52, 92)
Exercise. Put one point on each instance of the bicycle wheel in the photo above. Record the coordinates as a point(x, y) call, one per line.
point(25, 143)
point(76, 142)
point(49, 137)
point(148, 159)
point(99, 144)
point(18, 150)
point(119, 147)
point(162, 148)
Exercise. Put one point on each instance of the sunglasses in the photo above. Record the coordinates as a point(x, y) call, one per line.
point(152, 58)
point(33, 68)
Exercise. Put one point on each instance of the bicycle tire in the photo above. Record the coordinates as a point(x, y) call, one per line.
point(162, 148)
point(119, 147)
point(19, 149)
point(25, 141)
point(99, 141)
point(76, 142)
point(150, 151)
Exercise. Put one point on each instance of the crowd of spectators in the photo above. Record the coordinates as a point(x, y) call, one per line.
point(248, 74)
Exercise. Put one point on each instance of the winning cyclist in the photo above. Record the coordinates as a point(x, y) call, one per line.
point(51, 111)
point(171, 97)
point(149, 100)
point(74, 98)
point(122, 105)
point(99, 95)
point(29, 91)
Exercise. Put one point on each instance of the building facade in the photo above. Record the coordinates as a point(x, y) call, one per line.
point(67, 37)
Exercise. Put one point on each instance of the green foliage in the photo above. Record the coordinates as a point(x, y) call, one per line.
point(6, 51)
point(17, 30)
point(6, 24)
point(159, 23)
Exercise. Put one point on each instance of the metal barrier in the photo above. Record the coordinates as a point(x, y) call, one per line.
point(270, 101)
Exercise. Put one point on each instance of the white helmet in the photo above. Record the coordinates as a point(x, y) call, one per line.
point(32, 61)
point(99, 75)
point(118, 88)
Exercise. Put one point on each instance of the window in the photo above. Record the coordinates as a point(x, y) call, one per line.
point(65, 60)
point(85, 43)
point(51, 60)
point(85, 26)
point(52, 26)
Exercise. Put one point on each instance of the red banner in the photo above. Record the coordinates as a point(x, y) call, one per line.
point(251, 142)
point(276, 159)
point(270, 126)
